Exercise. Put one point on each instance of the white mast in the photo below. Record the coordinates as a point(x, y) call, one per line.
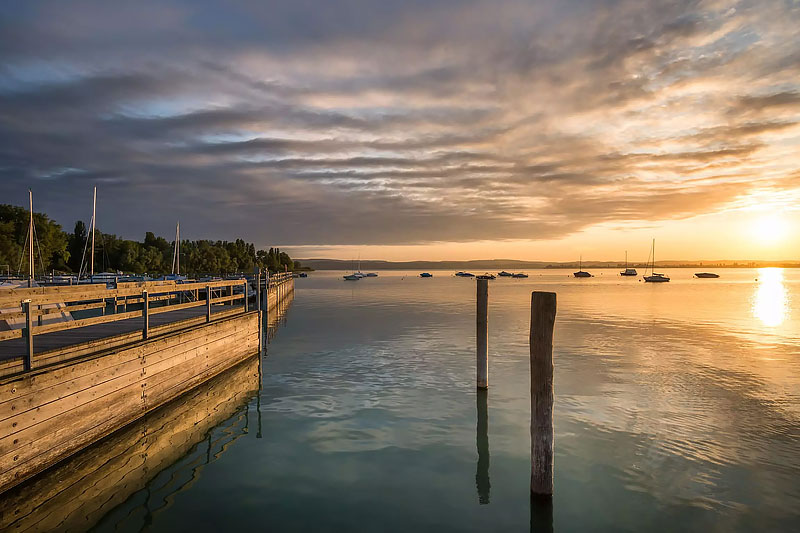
point(30, 240)
point(176, 250)
point(94, 214)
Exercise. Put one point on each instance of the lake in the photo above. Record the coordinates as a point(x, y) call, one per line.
point(677, 408)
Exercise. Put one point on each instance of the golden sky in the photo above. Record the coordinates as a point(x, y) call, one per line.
point(414, 130)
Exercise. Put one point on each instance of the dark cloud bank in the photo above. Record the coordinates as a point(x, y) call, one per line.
point(365, 122)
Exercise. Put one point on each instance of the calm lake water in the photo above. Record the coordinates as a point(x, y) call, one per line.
point(677, 408)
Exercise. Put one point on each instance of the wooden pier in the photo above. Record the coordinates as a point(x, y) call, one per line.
point(67, 382)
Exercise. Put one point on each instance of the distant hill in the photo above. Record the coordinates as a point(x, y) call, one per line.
point(514, 264)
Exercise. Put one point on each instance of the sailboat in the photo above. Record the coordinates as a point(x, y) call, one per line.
point(580, 273)
point(654, 277)
point(176, 258)
point(354, 276)
point(627, 271)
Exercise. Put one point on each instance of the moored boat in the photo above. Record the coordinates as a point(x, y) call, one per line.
point(580, 273)
point(486, 276)
point(505, 274)
point(705, 275)
point(463, 274)
point(628, 271)
point(519, 275)
point(352, 277)
point(654, 277)
point(426, 275)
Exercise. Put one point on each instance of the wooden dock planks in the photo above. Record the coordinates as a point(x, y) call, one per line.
point(49, 414)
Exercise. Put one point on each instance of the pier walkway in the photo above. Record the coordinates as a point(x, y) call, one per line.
point(61, 339)
point(78, 363)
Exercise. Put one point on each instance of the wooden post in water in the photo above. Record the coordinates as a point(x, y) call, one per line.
point(145, 314)
point(483, 333)
point(28, 359)
point(543, 317)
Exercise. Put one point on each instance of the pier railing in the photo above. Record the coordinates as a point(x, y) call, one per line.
point(42, 310)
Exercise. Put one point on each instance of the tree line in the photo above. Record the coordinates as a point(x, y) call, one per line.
point(62, 252)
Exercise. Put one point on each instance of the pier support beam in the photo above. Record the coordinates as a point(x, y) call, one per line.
point(482, 333)
point(208, 303)
point(145, 314)
point(28, 358)
point(543, 317)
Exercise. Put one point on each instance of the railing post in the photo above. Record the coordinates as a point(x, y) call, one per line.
point(482, 333)
point(258, 303)
point(543, 317)
point(145, 314)
point(246, 289)
point(208, 303)
point(28, 359)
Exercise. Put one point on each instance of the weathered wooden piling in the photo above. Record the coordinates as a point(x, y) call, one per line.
point(482, 333)
point(543, 316)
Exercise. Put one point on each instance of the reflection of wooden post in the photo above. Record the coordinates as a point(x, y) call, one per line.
point(543, 317)
point(145, 314)
point(28, 359)
point(483, 333)
point(482, 442)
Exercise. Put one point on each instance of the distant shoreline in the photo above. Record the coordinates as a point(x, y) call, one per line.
point(511, 264)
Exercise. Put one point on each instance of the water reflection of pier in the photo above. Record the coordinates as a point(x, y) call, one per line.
point(277, 316)
point(161, 454)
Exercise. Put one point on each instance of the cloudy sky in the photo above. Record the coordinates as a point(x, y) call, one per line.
point(413, 130)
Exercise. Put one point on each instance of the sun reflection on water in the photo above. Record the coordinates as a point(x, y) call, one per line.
point(770, 301)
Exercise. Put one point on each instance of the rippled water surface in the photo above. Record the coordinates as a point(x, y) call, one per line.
point(677, 408)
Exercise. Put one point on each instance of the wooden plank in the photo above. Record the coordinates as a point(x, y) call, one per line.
point(18, 397)
point(25, 443)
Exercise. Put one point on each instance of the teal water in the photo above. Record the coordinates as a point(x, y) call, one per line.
point(677, 408)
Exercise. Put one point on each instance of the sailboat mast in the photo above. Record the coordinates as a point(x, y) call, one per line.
point(94, 215)
point(653, 269)
point(30, 242)
point(178, 249)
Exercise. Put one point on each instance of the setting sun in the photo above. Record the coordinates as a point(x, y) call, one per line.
point(770, 229)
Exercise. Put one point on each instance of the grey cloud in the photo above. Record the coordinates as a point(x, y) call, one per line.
point(391, 123)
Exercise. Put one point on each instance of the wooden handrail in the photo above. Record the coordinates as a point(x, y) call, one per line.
point(82, 293)
point(106, 294)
